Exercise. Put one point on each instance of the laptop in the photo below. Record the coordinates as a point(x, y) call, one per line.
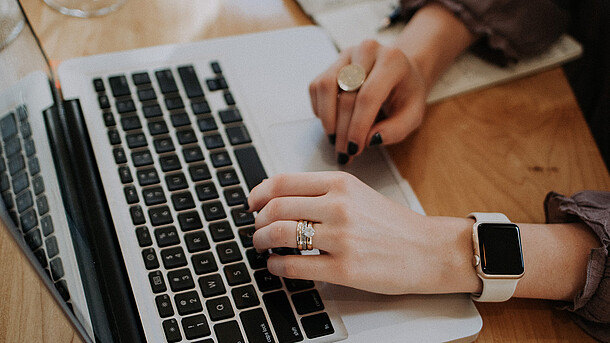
point(123, 180)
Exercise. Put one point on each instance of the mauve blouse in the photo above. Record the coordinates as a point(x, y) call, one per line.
point(510, 30)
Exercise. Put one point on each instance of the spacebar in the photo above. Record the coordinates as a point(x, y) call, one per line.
point(250, 165)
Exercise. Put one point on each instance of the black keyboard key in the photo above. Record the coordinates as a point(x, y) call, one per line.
point(150, 259)
point(213, 211)
point(245, 236)
point(176, 181)
point(190, 82)
point(147, 94)
point(173, 258)
point(234, 196)
point(131, 123)
point(227, 177)
point(220, 159)
point(34, 239)
point(154, 196)
point(172, 331)
point(217, 83)
point(245, 297)
point(228, 252)
point(317, 325)
point(109, 119)
point(12, 146)
point(201, 107)
point(152, 111)
point(281, 315)
point(57, 269)
point(189, 221)
point(143, 236)
point(114, 137)
point(294, 285)
point(16, 163)
point(170, 162)
point(125, 106)
point(147, 177)
point(46, 224)
point(267, 281)
point(119, 85)
point(157, 283)
point(211, 285)
point(216, 67)
point(174, 103)
point(238, 135)
point(20, 182)
point(241, 217)
point(24, 201)
point(221, 231)
point(256, 326)
point(142, 158)
point(307, 302)
point(140, 78)
point(167, 236)
point(38, 185)
point(164, 306)
point(204, 263)
point(28, 220)
point(34, 166)
point(186, 136)
point(8, 126)
point(98, 84)
point(195, 327)
point(188, 303)
point(137, 215)
point(196, 241)
point(157, 127)
point(213, 141)
point(51, 245)
point(164, 144)
point(228, 332)
point(183, 201)
point(207, 123)
point(42, 204)
point(103, 101)
point(237, 274)
point(160, 215)
point(229, 98)
point(192, 154)
point(199, 172)
point(219, 308)
point(206, 191)
point(250, 165)
point(180, 119)
point(230, 115)
point(180, 280)
point(136, 140)
point(166, 81)
point(125, 175)
point(26, 130)
point(62, 288)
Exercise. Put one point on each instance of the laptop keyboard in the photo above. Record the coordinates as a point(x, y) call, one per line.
point(24, 194)
point(185, 169)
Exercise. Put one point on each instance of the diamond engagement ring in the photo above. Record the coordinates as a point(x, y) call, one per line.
point(304, 235)
point(351, 77)
point(308, 232)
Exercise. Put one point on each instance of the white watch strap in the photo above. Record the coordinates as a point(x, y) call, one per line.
point(494, 290)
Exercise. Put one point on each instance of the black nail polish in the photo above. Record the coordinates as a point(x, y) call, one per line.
point(342, 158)
point(246, 206)
point(352, 148)
point(376, 139)
point(332, 138)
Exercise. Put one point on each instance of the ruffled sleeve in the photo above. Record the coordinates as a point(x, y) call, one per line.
point(508, 29)
point(591, 307)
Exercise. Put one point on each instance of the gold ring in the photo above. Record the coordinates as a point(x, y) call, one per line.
point(301, 241)
point(351, 77)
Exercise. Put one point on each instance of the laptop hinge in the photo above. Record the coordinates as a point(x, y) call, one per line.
point(88, 209)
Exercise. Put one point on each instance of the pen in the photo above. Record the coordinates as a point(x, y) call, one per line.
point(390, 20)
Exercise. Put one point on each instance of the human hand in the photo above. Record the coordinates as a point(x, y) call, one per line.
point(366, 240)
point(393, 86)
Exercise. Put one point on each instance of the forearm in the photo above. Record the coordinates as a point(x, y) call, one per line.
point(555, 257)
point(432, 39)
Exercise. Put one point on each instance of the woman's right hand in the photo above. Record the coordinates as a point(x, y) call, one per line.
point(353, 120)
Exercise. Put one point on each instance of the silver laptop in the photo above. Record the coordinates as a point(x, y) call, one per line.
point(127, 183)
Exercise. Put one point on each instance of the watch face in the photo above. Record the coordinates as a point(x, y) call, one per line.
point(500, 249)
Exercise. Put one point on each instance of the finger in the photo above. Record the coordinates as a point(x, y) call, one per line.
point(376, 89)
point(283, 234)
point(310, 267)
point(344, 114)
point(281, 185)
point(394, 129)
point(292, 208)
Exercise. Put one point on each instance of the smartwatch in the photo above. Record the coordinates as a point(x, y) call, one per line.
point(498, 258)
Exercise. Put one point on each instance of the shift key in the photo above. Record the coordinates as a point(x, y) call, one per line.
point(282, 317)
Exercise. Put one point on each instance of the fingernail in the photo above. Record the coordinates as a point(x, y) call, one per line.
point(376, 139)
point(332, 138)
point(246, 206)
point(342, 158)
point(352, 148)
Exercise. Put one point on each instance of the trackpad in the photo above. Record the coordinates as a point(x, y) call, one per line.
point(302, 145)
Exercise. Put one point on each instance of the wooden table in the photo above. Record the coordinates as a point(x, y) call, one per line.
point(531, 138)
